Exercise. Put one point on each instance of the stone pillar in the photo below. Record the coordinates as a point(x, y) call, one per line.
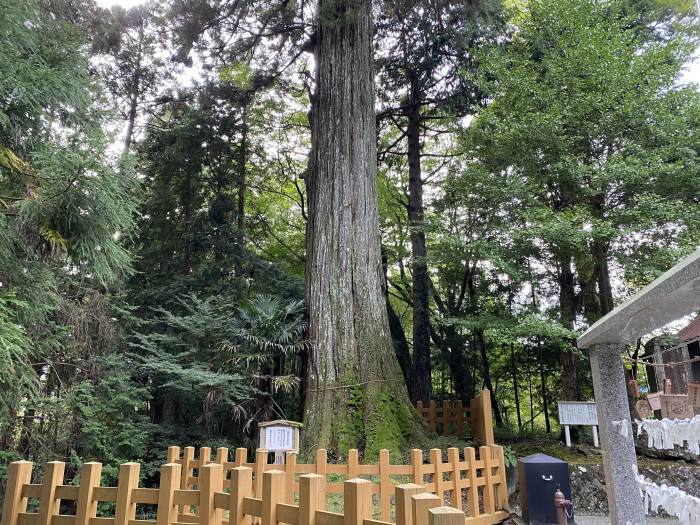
point(619, 458)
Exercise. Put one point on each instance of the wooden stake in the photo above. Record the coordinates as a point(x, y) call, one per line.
point(473, 490)
point(173, 454)
point(321, 461)
point(86, 505)
point(290, 467)
point(211, 481)
point(170, 475)
point(445, 516)
point(453, 459)
point(128, 480)
point(19, 474)
point(272, 494)
point(436, 460)
point(404, 503)
point(357, 497)
point(385, 488)
point(48, 503)
point(310, 494)
point(421, 503)
point(241, 487)
point(489, 500)
point(417, 464)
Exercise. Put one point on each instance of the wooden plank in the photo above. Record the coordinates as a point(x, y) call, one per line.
point(19, 474)
point(373, 470)
point(328, 518)
point(186, 497)
point(27, 518)
point(142, 522)
point(488, 519)
point(63, 519)
point(287, 513)
point(398, 470)
point(420, 504)
point(376, 522)
point(417, 465)
point(69, 492)
point(472, 491)
point(357, 501)
point(252, 507)
point(445, 516)
point(404, 508)
point(221, 500)
point(432, 416)
point(272, 494)
point(241, 488)
point(459, 413)
point(86, 505)
point(170, 480)
point(321, 461)
point(211, 481)
point(188, 518)
point(310, 494)
point(48, 502)
point(385, 487)
point(142, 495)
point(289, 475)
point(31, 490)
point(502, 493)
point(102, 521)
point(489, 499)
point(105, 494)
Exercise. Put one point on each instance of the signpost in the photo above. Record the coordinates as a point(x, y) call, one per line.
point(279, 436)
point(578, 413)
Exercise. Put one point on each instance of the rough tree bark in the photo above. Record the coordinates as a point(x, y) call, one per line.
point(356, 395)
point(421, 386)
point(567, 304)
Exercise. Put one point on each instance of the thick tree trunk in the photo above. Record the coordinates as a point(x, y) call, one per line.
point(356, 395)
point(516, 394)
point(421, 386)
point(486, 370)
point(567, 304)
point(398, 336)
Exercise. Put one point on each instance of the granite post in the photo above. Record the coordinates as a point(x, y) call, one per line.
point(619, 458)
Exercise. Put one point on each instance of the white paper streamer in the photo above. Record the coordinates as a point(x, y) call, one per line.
point(664, 434)
point(622, 427)
point(673, 500)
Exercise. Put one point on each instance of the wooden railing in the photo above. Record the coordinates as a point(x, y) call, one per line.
point(214, 505)
point(448, 418)
point(478, 485)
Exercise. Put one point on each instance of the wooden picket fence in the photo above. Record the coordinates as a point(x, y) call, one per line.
point(480, 483)
point(441, 417)
point(214, 506)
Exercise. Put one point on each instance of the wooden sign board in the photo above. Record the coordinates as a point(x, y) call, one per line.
point(694, 394)
point(644, 409)
point(654, 400)
point(279, 436)
point(578, 413)
point(676, 406)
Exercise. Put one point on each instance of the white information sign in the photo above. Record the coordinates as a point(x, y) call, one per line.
point(578, 413)
point(279, 438)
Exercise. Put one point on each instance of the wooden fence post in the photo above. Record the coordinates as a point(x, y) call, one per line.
point(19, 474)
point(48, 503)
point(127, 481)
point(502, 502)
point(187, 468)
point(222, 455)
point(309, 497)
point(445, 516)
point(357, 501)
point(432, 416)
point(173, 454)
point(446, 419)
point(321, 461)
point(86, 505)
point(473, 490)
point(272, 494)
point(170, 475)
point(260, 464)
point(353, 464)
point(211, 481)
point(204, 457)
point(436, 460)
point(417, 464)
point(241, 457)
point(241, 487)
point(459, 412)
point(453, 459)
point(489, 500)
point(420, 409)
point(290, 467)
point(385, 488)
point(404, 508)
point(420, 504)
